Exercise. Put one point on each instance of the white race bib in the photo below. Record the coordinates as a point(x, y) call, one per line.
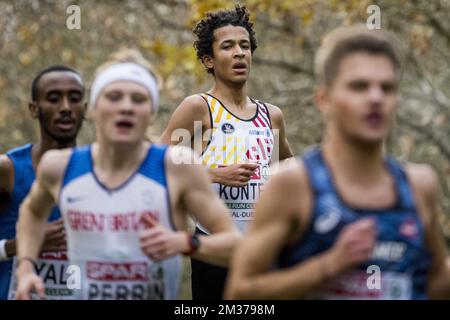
point(129, 280)
point(354, 285)
point(51, 267)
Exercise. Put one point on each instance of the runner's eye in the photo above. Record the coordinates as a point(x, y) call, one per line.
point(75, 97)
point(113, 96)
point(139, 98)
point(53, 97)
point(388, 87)
point(359, 85)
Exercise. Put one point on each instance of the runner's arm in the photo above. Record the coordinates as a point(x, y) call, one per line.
point(250, 276)
point(439, 276)
point(36, 207)
point(6, 181)
point(181, 127)
point(279, 124)
point(203, 203)
point(6, 186)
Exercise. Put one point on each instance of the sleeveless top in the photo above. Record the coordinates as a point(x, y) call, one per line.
point(235, 140)
point(51, 265)
point(400, 256)
point(103, 228)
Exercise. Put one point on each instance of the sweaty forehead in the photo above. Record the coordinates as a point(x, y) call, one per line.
point(60, 80)
point(230, 32)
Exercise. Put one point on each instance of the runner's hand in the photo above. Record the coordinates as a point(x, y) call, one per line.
point(235, 175)
point(354, 245)
point(28, 281)
point(159, 243)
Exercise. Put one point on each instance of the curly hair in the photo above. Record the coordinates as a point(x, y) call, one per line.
point(204, 29)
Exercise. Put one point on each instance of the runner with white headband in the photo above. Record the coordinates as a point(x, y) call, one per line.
point(127, 71)
point(124, 201)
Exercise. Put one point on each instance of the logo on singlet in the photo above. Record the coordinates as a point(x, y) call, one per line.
point(328, 220)
point(74, 199)
point(227, 128)
point(409, 229)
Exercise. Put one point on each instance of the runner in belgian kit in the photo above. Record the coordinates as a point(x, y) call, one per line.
point(124, 201)
point(57, 101)
point(238, 133)
point(353, 223)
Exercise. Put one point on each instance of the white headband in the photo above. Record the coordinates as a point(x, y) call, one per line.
point(125, 72)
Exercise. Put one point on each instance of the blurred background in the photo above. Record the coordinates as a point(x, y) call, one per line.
point(34, 35)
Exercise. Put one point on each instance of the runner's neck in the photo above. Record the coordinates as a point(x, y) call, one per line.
point(112, 158)
point(235, 97)
point(360, 163)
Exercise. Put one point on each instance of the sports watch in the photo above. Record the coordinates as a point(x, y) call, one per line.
point(194, 244)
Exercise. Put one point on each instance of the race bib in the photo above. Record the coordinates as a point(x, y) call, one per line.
point(132, 280)
point(241, 200)
point(51, 267)
point(354, 286)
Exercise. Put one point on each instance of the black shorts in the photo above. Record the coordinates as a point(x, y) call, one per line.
point(208, 281)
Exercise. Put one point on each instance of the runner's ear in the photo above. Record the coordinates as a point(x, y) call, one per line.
point(208, 62)
point(33, 108)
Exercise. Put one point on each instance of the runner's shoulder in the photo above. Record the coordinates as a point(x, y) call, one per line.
point(290, 175)
point(6, 165)
point(6, 171)
point(423, 178)
point(195, 104)
point(274, 110)
point(425, 184)
point(288, 188)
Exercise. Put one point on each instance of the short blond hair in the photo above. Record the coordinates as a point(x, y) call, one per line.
point(344, 41)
